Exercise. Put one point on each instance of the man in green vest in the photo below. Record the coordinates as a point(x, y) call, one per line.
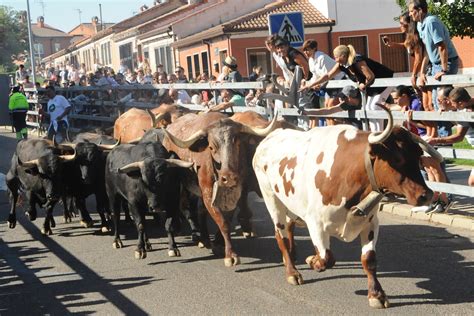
point(18, 106)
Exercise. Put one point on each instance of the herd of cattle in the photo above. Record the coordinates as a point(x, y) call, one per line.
point(168, 160)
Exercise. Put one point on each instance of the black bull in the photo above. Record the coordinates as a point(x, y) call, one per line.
point(142, 176)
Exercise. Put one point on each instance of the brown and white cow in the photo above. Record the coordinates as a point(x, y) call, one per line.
point(217, 147)
point(133, 124)
point(322, 177)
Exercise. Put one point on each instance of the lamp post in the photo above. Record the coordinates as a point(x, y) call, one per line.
point(30, 38)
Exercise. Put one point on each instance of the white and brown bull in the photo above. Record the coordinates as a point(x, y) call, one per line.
point(133, 124)
point(217, 147)
point(333, 178)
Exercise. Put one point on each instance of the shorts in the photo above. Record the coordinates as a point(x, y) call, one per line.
point(19, 120)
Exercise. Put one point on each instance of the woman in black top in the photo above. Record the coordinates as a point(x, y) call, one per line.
point(362, 70)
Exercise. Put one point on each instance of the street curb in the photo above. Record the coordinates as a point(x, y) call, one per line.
point(446, 219)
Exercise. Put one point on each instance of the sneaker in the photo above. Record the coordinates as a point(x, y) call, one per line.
point(441, 206)
point(422, 209)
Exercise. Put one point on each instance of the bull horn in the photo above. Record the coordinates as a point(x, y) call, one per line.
point(109, 147)
point(67, 157)
point(185, 143)
point(179, 163)
point(152, 116)
point(427, 147)
point(260, 131)
point(29, 163)
point(158, 118)
point(377, 138)
point(134, 166)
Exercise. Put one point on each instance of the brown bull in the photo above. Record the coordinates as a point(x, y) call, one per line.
point(217, 146)
point(131, 125)
point(250, 184)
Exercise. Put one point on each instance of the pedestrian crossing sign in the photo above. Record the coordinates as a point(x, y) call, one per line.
point(288, 25)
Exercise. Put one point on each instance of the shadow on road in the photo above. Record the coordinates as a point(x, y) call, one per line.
point(15, 273)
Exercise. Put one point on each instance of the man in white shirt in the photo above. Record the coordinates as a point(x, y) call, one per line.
point(58, 108)
point(319, 65)
point(180, 96)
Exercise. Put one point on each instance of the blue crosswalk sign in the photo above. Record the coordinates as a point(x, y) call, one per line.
point(288, 25)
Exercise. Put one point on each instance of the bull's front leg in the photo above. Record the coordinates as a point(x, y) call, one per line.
point(323, 258)
point(86, 220)
point(104, 211)
point(231, 258)
point(368, 236)
point(13, 185)
point(48, 220)
point(139, 218)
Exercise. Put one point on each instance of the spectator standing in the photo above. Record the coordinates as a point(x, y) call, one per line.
point(58, 109)
point(82, 71)
point(20, 74)
point(73, 75)
point(439, 47)
point(256, 73)
point(123, 67)
point(319, 65)
point(181, 77)
point(18, 106)
point(234, 74)
point(362, 70)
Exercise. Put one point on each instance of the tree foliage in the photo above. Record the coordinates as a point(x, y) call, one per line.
point(13, 37)
point(457, 15)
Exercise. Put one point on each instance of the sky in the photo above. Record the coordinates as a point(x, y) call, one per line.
point(64, 14)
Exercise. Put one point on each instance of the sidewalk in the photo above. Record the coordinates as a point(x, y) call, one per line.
point(460, 215)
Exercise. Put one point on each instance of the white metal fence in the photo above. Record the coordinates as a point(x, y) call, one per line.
point(447, 152)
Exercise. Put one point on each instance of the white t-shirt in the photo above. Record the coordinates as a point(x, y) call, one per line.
point(183, 97)
point(320, 64)
point(281, 63)
point(57, 106)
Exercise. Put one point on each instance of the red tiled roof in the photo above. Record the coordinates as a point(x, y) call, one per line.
point(259, 20)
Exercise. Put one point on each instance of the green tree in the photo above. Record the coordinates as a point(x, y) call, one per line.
point(13, 37)
point(457, 15)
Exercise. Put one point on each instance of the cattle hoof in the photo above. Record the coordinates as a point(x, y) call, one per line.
point(230, 262)
point(104, 229)
point(86, 224)
point(295, 279)
point(46, 231)
point(195, 237)
point(204, 244)
point(52, 222)
point(31, 215)
point(140, 254)
point(249, 234)
point(379, 303)
point(67, 220)
point(117, 244)
point(11, 221)
point(148, 246)
point(309, 261)
point(174, 253)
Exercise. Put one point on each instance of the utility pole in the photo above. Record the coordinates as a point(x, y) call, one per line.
point(30, 38)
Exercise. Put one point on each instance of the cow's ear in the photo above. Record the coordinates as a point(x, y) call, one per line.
point(200, 145)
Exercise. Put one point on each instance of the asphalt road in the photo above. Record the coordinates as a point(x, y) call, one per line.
point(424, 270)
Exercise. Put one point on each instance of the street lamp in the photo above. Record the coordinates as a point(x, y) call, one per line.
point(30, 38)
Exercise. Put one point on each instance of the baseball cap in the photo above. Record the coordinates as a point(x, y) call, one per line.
point(349, 91)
